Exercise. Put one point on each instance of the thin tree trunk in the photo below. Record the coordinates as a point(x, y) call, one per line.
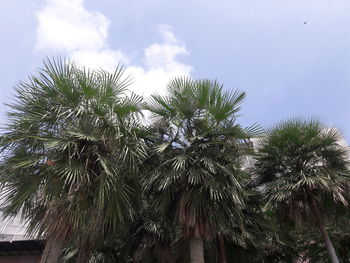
point(320, 223)
point(52, 251)
point(221, 248)
point(196, 250)
point(84, 253)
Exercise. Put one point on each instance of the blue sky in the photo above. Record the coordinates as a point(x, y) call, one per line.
point(264, 47)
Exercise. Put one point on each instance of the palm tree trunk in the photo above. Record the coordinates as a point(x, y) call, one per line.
point(52, 251)
point(196, 250)
point(320, 223)
point(142, 249)
point(221, 248)
point(84, 253)
point(164, 253)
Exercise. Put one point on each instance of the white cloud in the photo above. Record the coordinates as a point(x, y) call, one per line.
point(161, 64)
point(106, 59)
point(66, 26)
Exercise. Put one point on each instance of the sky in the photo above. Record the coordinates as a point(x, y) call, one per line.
point(292, 57)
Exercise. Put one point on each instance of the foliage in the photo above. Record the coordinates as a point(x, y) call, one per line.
point(198, 181)
point(70, 150)
point(82, 170)
point(301, 168)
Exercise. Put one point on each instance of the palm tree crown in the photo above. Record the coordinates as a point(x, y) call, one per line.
point(301, 165)
point(199, 148)
point(69, 148)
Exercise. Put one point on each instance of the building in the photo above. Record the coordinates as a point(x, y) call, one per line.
point(15, 245)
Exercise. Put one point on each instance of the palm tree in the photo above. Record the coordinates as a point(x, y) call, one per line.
point(69, 150)
point(300, 166)
point(339, 230)
point(198, 143)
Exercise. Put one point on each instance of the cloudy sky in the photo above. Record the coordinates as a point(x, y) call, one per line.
point(292, 57)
